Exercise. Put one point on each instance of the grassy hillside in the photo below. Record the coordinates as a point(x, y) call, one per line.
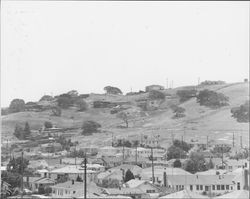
point(199, 122)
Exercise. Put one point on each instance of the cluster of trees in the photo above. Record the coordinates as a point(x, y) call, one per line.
point(178, 111)
point(13, 174)
point(90, 127)
point(212, 99)
point(66, 144)
point(197, 163)
point(48, 125)
point(156, 95)
point(112, 90)
point(241, 113)
point(126, 143)
point(185, 95)
point(22, 133)
point(178, 150)
point(209, 82)
point(69, 99)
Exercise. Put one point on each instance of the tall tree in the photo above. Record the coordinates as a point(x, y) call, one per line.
point(129, 176)
point(124, 116)
point(26, 130)
point(112, 90)
point(17, 105)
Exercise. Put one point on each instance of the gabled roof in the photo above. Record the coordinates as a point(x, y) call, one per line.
point(124, 191)
point(183, 194)
point(134, 183)
point(238, 194)
point(200, 179)
point(73, 169)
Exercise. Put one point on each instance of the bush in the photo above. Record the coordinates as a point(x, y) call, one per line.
point(64, 101)
point(186, 94)
point(175, 153)
point(212, 99)
point(195, 163)
point(48, 125)
point(155, 94)
point(90, 127)
point(241, 113)
point(46, 98)
point(178, 111)
point(177, 163)
point(56, 111)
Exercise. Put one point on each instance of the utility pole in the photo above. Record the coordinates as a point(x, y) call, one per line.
point(136, 154)
point(85, 176)
point(207, 141)
point(241, 142)
point(167, 83)
point(22, 176)
point(152, 159)
point(123, 155)
point(222, 151)
point(75, 155)
point(233, 139)
point(112, 139)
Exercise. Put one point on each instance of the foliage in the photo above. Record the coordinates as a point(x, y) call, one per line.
point(4, 111)
point(14, 179)
point(218, 150)
point(56, 111)
point(178, 111)
point(123, 116)
point(79, 179)
point(17, 165)
point(90, 127)
point(64, 101)
point(196, 163)
point(210, 164)
point(21, 133)
point(156, 95)
point(81, 104)
point(17, 105)
point(46, 98)
point(212, 99)
point(129, 176)
point(66, 144)
point(112, 90)
point(209, 82)
point(182, 144)
point(241, 113)
point(177, 163)
point(175, 152)
point(243, 154)
point(185, 95)
point(48, 125)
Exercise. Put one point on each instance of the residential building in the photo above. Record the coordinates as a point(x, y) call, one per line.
point(143, 185)
point(183, 194)
point(73, 189)
point(134, 193)
point(71, 173)
point(36, 183)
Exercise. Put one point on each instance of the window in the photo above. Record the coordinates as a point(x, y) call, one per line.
point(227, 187)
point(150, 191)
point(213, 187)
point(177, 187)
point(218, 187)
point(206, 188)
point(238, 186)
point(182, 187)
point(74, 192)
point(197, 187)
point(222, 187)
point(201, 187)
point(191, 187)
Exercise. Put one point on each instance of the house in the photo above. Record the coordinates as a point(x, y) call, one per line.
point(134, 193)
point(143, 185)
point(158, 173)
point(118, 173)
point(139, 161)
point(51, 147)
point(73, 189)
point(36, 183)
point(232, 164)
point(201, 184)
point(72, 172)
point(151, 141)
point(154, 87)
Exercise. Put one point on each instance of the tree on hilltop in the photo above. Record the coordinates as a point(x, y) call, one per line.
point(112, 90)
point(17, 105)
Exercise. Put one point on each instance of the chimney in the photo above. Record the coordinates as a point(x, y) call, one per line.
point(73, 182)
point(246, 178)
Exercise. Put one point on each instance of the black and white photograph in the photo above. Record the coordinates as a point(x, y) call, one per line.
point(125, 99)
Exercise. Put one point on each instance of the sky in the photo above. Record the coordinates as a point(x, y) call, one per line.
point(54, 47)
